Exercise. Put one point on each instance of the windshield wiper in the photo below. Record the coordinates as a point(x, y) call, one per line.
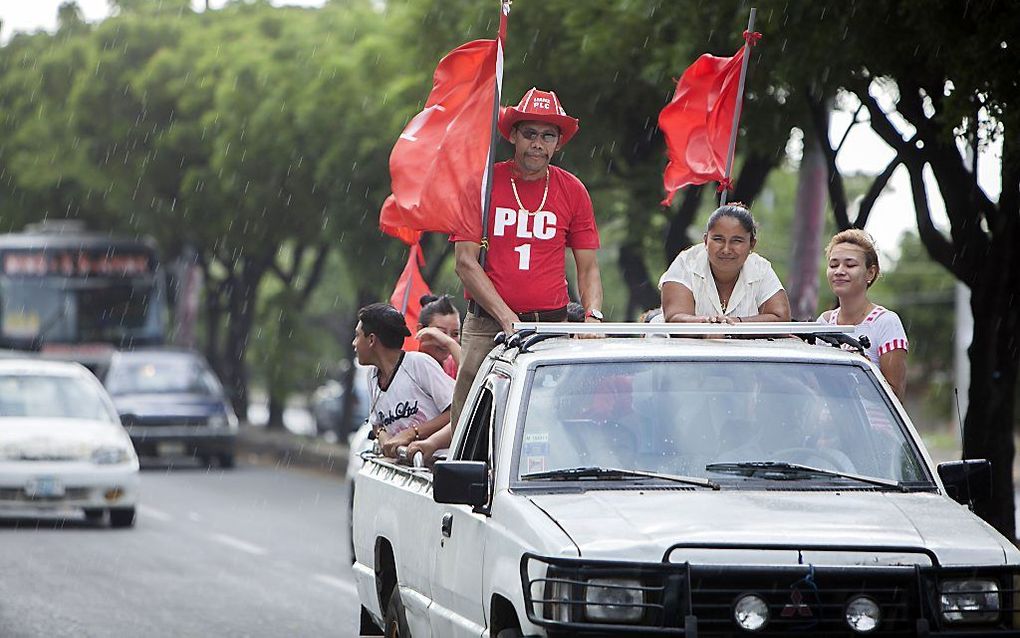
point(795, 471)
point(612, 473)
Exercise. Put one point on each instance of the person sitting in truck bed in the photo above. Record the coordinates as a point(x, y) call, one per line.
point(409, 390)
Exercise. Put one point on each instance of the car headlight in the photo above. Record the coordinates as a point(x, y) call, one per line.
point(110, 455)
point(218, 421)
point(614, 600)
point(971, 601)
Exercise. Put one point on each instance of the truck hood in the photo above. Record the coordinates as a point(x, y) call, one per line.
point(643, 525)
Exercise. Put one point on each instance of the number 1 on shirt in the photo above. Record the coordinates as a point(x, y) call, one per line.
point(525, 256)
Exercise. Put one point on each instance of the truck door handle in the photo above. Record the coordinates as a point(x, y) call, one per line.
point(447, 524)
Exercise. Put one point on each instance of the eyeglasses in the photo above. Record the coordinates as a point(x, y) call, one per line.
point(530, 134)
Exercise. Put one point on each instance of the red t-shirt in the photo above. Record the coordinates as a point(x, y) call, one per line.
point(526, 260)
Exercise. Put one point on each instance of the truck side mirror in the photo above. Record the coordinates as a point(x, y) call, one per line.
point(461, 483)
point(968, 480)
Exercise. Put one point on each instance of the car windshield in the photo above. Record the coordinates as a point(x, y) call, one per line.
point(161, 375)
point(720, 420)
point(51, 396)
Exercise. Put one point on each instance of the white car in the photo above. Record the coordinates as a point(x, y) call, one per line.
point(686, 487)
point(62, 446)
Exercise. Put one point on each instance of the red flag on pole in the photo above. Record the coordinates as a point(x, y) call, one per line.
point(698, 122)
point(408, 292)
point(438, 164)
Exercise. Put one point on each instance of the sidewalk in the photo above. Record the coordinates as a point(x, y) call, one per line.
point(286, 449)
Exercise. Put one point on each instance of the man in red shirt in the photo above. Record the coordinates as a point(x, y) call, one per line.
point(537, 212)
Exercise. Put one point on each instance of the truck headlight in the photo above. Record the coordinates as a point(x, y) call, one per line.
point(970, 601)
point(558, 596)
point(751, 612)
point(110, 455)
point(614, 600)
point(863, 614)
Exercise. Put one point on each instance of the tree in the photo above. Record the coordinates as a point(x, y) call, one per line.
point(942, 97)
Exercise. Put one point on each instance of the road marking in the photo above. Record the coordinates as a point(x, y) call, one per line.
point(237, 543)
point(333, 581)
point(152, 512)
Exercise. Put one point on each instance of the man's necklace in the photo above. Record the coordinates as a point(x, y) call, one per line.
point(545, 194)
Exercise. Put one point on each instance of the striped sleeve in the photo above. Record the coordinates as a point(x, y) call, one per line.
point(890, 333)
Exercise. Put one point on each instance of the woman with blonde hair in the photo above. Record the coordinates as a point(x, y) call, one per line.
point(852, 269)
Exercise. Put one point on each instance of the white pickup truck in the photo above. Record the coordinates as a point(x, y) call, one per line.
point(688, 487)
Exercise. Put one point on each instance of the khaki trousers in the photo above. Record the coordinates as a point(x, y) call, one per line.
point(476, 337)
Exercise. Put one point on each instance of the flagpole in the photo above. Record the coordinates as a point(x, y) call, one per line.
point(740, 101)
point(410, 278)
point(504, 13)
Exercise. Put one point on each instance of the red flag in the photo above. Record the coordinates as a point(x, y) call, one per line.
point(438, 164)
point(407, 294)
point(698, 122)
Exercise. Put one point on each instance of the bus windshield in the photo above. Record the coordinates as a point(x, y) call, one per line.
point(112, 294)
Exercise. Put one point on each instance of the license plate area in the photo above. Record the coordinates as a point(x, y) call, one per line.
point(170, 448)
point(44, 487)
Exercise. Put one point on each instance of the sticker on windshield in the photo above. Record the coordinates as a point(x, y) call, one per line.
point(535, 450)
point(535, 464)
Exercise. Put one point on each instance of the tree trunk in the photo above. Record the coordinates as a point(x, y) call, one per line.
point(995, 358)
point(988, 427)
point(276, 407)
point(808, 225)
point(242, 297)
point(753, 173)
point(642, 292)
point(677, 238)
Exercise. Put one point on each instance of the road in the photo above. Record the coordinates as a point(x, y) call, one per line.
point(255, 551)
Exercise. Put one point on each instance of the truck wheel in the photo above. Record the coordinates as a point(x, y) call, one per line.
point(226, 461)
point(368, 626)
point(394, 621)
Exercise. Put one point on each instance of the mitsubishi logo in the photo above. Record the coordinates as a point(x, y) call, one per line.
point(796, 607)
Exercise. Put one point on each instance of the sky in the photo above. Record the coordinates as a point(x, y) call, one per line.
point(863, 152)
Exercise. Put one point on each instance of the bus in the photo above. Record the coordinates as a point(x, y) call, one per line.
point(66, 290)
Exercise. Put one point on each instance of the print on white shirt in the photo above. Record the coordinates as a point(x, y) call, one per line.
point(418, 392)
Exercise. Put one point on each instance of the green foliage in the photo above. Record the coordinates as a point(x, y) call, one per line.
point(257, 134)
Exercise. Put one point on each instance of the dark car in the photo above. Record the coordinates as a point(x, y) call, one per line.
point(172, 405)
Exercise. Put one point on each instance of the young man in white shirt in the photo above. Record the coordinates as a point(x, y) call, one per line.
point(409, 390)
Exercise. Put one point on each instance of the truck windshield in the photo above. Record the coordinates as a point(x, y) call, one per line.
point(688, 417)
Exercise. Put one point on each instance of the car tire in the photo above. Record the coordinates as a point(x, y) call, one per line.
point(509, 633)
point(226, 461)
point(394, 620)
point(94, 514)
point(122, 517)
point(368, 626)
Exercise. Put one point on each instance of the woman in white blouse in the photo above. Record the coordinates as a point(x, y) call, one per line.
point(722, 280)
point(853, 267)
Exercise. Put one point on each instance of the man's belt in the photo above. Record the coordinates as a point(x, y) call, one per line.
point(559, 314)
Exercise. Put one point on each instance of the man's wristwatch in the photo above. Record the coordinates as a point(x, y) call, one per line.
point(596, 314)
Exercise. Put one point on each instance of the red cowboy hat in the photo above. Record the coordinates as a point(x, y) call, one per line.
point(538, 106)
